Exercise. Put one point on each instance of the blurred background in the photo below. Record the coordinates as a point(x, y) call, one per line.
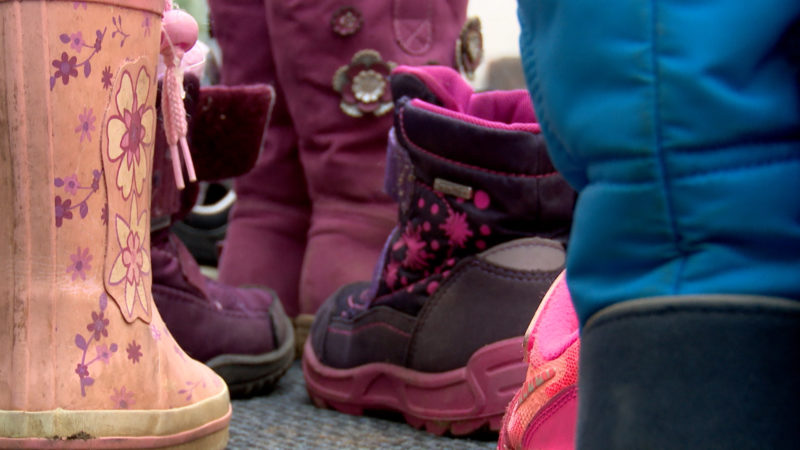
point(500, 68)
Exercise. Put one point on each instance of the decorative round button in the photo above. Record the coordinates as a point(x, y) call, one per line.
point(364, 85)
point(346, 21)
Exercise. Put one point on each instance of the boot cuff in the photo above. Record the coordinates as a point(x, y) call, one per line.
point(496, 131)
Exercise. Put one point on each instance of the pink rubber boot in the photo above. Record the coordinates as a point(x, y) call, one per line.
point(85, 358)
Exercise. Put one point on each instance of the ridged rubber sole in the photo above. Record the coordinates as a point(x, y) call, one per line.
point(120, 429)
point(460, 401)
point(248, 375)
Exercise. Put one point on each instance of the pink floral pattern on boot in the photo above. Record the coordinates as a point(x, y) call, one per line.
point(66, 66)
point(126, 144)
point(188, 391)
point(86, 124)
point(72, 187)
point(416, 257)
point(80, 264)
point(134, 351)
point(98, 95)
point(146, 25)
point(98, 329)
point(132, 262)
point(123, 398)
point(438, 230)
point(117, 22)
point(131, 132)
point(106, 78)
point(456, 229)
point(431, 243)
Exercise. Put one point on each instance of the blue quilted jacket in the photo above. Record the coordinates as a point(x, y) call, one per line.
point(678, 121)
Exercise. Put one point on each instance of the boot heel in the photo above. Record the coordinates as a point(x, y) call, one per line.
point(496, 371)
point(691, 372)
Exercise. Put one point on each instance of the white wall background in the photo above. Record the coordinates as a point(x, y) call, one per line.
point(500, 28)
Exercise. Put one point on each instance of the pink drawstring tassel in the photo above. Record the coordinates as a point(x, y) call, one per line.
point(175, 125)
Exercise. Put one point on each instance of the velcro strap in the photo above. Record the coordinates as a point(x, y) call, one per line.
point(399, 178)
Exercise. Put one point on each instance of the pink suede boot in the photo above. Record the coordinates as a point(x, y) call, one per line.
point(266, 236)
point(339, 99)
point(85, 358)
point(315, 197)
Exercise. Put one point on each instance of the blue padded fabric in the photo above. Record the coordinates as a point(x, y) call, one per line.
point(678, 121)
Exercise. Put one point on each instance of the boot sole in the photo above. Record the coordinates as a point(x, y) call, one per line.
point(249, 375)
point(195, 426)
point(460, 401)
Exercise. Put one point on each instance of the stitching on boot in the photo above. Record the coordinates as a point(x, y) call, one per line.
point(413, 35)
point(461, 270)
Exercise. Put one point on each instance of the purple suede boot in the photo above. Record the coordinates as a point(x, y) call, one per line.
point(240, 332)
point(483, 220)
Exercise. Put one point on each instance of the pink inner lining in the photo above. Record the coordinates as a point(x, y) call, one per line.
point(511, 110)
point(476, 119)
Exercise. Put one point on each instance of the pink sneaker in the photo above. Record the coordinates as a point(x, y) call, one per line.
point(544, 411)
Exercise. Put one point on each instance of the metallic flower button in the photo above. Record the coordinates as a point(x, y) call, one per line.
point(364, 85)
point(346, 21)
point(469, 47)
